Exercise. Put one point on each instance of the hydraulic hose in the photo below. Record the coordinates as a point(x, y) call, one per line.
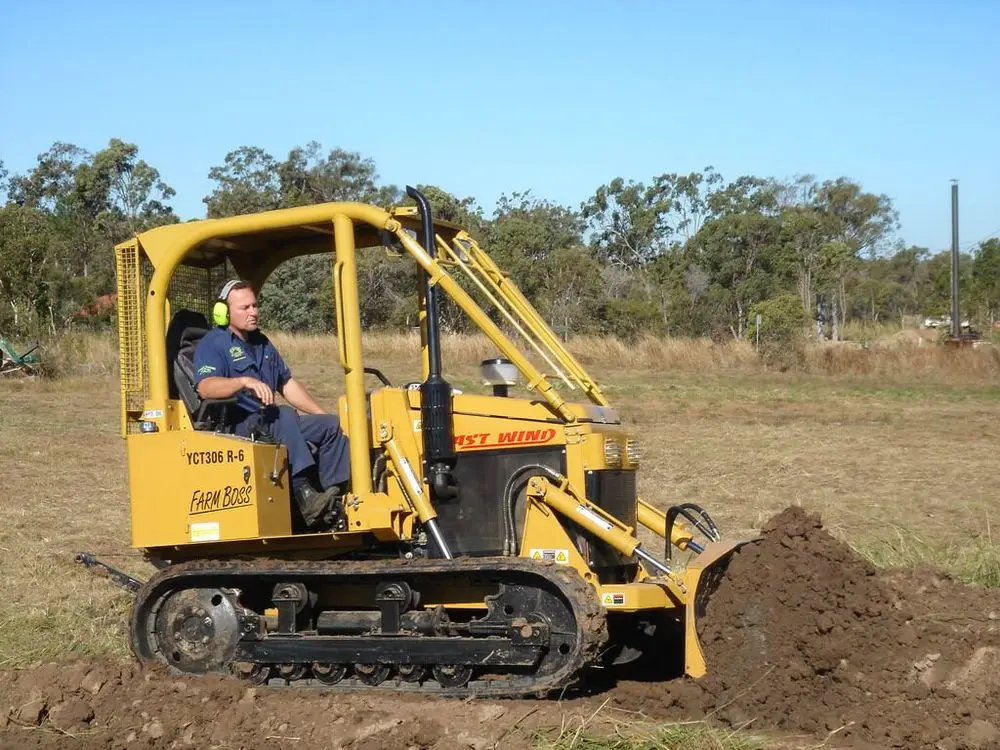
point(697, 517)
point(510, 524)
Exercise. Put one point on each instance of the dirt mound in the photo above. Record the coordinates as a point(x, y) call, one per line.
point(804, 635)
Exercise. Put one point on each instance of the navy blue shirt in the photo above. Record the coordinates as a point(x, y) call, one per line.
point(223, 354)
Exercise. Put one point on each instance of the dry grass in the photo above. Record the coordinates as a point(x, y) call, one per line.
point(973, 560)
point(865, 332)
point(677, 355)
point(899, 459)
point(893, 356)
point(864, 456)
point(619, 729)
point(80, 353)
point(901, 360)
point(641, 735)
point(63, 490)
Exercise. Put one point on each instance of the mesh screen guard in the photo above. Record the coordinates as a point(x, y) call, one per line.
point(191, 287)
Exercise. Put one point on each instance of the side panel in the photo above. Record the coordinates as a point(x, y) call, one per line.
point(191, 487)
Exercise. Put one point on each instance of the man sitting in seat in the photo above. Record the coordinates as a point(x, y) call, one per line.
point(237, 359)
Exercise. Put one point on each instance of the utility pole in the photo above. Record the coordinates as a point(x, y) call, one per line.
point(956, 320)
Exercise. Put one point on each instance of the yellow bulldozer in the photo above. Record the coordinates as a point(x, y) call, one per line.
point(489, 541)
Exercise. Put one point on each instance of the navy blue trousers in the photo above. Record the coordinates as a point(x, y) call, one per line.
point(288, 427)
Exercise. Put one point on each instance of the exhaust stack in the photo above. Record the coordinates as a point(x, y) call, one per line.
point(435, 392)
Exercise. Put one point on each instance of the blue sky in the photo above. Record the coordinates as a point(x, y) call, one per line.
point(486, 98)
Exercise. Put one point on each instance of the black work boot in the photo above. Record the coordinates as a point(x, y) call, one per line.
point(319, 509)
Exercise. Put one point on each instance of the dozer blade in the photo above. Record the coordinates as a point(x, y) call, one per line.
point(702, 577)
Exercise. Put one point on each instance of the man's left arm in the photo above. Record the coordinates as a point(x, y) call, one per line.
point(295, 393)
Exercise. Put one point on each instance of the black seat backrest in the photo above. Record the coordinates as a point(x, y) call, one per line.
point(184, 332)
point(186, 329)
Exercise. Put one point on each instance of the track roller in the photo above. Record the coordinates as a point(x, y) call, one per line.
point(329, 674)
point(452, 675)
point(255, 674)
point(411, 672)
point(291, 672)
point(372, 674)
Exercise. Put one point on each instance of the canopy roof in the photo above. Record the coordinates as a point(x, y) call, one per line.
point(271, 237)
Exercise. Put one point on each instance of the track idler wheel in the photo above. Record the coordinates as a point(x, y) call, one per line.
point(372, 674)
point(329, 674)
point(195, 630)
point(452, 675)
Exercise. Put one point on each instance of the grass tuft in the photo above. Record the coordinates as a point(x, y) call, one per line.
point(647, 736)
point(79, 353)
point(974, 560)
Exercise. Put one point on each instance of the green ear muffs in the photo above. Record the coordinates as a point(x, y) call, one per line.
point(220, 314)
point(220, 310)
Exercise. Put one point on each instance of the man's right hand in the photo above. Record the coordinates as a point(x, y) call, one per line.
point(263, 393)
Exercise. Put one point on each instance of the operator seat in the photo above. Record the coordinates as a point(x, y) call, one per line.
point(186, 329)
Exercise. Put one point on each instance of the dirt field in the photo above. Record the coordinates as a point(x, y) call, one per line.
point(808, 642)
point(804, 638)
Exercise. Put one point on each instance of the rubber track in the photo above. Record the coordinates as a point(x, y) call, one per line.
point(590, 616)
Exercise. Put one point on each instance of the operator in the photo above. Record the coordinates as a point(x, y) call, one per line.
point(237, 359)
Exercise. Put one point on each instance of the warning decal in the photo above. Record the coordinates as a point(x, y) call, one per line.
point(558, 555)
point(613, 599)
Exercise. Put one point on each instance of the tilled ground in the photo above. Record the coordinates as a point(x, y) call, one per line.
point(110, 706)
point(802, 637)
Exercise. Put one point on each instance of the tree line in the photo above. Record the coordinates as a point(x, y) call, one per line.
point(680, 254)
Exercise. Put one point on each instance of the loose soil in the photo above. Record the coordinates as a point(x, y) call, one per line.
point(805, 636)
point(802, 637)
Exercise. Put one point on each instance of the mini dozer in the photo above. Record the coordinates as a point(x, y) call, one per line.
point(487, 543)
